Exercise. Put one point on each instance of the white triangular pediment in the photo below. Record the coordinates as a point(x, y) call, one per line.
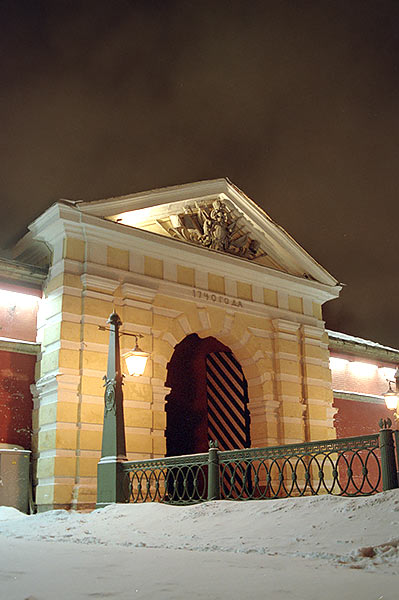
point(215, 215)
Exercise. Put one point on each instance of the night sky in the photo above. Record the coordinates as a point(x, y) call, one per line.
point(296, 102)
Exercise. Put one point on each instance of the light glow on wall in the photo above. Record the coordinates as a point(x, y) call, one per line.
point(338, 364)
point(388, 373)
point(134, 217)
point(362, 369)
point(8, 298)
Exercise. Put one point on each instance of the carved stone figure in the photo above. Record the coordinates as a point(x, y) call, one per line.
point(214, 227)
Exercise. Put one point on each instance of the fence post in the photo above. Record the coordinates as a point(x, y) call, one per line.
point(213, 472)
point(388, 460)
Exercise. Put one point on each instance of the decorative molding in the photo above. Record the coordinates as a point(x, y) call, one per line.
point(19, 273)
point(95, 282)
point(201, 279)
point(136, 304)
point(61, 291)
point(283, 326)
point(282, 299)
point(230, 287)
point(62, 220)
point(184, 324)
point(318, 382)
point(357, 397)
point(257, 294)
point(130, 327)
point(19, 346)
point(107, 297)
point(261, 333)
point(204, 318)
point(131, 290)
point(65, 265)
point(320, 362)
point(170, 339)
point(166, 312)
point(287, 356)
point(313, 332)
point(169, 270)
point(259, 355)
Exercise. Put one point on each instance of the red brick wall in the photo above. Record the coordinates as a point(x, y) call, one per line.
point(16, 375)
point(358, 418)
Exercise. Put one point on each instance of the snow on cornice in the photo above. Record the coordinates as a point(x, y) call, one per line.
point(351, 339)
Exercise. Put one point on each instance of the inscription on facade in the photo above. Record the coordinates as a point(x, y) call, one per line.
point(216, 298)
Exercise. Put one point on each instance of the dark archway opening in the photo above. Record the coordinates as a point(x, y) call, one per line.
point(208, 398)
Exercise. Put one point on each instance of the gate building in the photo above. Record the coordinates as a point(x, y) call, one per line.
point(229, 306)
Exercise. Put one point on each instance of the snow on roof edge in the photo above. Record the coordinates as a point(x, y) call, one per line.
point(356, 340)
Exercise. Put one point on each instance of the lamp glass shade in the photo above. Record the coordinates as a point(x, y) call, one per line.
point(136, 361)
point(391, 400)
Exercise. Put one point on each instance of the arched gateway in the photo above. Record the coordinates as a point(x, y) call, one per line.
point(208, 398)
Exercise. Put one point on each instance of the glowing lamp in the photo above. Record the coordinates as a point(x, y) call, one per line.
point(136, 360)
point(391, 398)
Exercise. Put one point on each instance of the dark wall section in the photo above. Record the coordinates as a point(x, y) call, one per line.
point(16, 375)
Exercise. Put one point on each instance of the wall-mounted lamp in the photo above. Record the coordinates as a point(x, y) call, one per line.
point(136, 359)
point(391, 396)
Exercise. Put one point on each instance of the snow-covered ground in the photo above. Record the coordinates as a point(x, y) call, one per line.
point(321, 547)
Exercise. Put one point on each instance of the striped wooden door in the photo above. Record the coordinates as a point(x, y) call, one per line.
point(227, 399)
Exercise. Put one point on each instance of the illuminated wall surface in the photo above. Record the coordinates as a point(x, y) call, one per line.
point(18, 311)
point(358, 386)
point(358, 375)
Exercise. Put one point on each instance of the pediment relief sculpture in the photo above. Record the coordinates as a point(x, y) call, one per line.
point(213, 226)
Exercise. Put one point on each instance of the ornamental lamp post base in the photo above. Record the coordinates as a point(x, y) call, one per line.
point(112, 486)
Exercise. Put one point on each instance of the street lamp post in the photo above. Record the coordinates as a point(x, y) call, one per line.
point(110, 486)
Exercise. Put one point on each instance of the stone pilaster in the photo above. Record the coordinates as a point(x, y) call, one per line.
point(288, 380)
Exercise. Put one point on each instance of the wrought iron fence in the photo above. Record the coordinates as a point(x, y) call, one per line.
point(353, 466)
point(177, 480)
point(349, 467)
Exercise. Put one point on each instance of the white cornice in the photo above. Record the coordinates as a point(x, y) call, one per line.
point(358, 397)
point(160, 196)
point(61, 220)
point(19, 346)
point(170, 199)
